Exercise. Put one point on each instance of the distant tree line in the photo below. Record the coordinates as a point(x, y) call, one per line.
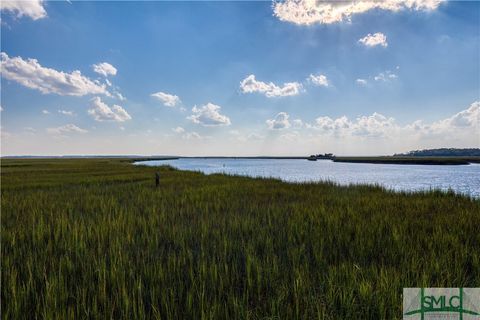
point(443, 152)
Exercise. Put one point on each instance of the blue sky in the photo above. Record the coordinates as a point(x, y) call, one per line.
point(238, 78)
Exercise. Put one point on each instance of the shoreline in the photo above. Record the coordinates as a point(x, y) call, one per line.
point(335, 183)
point(411, 160)
point(371, 160)
point(346, 159)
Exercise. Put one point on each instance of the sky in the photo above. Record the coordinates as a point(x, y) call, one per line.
point(244, 78)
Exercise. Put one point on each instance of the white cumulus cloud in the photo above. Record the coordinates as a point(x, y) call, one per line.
point(376, 39)
point(375, 125)
point(105, 69)
point(297, 123)
point(385, 76)
point(31, 74)
point(119, 96)
point(178, 130)
point(102, 112)
point(250, 85)
point(279, 122)
point(209, 116)
point(468, 118)
point(66, 112)
point(308, 12)
point(328, 124)
point(168, 100)
point(465, 122)
point(361, 82)
point(68, 128)
point(319, 80)
point(32, 8)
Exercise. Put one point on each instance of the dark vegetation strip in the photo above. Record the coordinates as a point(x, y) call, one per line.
point(411, 160)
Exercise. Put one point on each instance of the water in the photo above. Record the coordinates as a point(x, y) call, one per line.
point(463, 179)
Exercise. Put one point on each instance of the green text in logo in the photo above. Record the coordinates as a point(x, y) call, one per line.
point(441, 303)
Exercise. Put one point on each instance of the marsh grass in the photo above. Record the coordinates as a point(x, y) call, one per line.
point(93, 238)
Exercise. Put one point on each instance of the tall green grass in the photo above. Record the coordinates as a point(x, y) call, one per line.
point(93, 238)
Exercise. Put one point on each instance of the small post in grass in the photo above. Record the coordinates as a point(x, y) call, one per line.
point(157, 179)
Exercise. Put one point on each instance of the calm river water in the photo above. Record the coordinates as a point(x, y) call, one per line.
point(461, 179)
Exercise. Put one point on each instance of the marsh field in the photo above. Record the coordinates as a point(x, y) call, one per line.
point(94, 239)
